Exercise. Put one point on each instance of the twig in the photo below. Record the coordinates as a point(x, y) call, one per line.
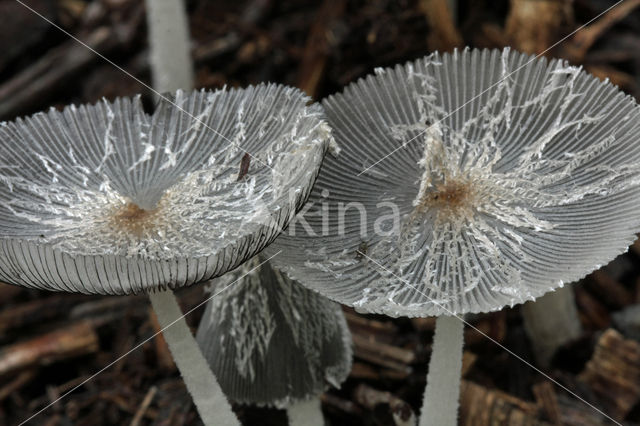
point(144, 406)
point(335, 403)
point(37, 311)
point(212, 50)
point(362, 343)
point(316, 52)
point(576, 48)
point(33, 86)
point(21, 380)
point(444, 35)
point(36, 83)
point(357, 321)
point(99, 306)
point(364, 371)
point(75, 340)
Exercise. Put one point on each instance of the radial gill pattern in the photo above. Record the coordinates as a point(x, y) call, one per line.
point(467, 182)
point(270, 341)
point(108, 199)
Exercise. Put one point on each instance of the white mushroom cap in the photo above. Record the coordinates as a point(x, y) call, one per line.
point(270, 341)
point(108, 199)
point(510, 175)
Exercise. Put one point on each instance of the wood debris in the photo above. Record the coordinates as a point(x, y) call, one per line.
point(533, 26)
point(144, 406)
point(444, 35)
point(614, 374)
point(399, 411)
point(577, 47)
point(484, 407)
point(72, 341)
point(547, 400)
point(609, 290)
point(319, 43)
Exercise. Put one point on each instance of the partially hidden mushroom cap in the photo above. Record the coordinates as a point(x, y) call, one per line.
point(108, 199)
point(270, 341)
point(487, 178)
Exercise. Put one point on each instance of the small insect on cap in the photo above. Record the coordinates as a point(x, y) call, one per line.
point(477, 180)
point(108, 199)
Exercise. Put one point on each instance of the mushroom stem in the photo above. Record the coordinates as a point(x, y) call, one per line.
point(441, 397)
point(171, 64)
point(211, 403)
point(307, 413)
point(551, 321)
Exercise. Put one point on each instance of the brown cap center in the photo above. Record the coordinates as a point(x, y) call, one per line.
point(132, 219)
point(453, 198)
point(451, 194)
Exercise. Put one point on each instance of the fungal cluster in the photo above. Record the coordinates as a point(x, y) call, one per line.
point(503, 178)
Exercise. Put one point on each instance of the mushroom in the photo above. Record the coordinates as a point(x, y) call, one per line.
point(271, 342)
point(475, 180)
point(107, 199)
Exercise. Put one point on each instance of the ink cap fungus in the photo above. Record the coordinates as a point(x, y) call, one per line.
point(108, 199)
point(270, 341)
point(487, 178)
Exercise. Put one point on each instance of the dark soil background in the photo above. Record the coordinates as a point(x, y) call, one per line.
point(49, 342)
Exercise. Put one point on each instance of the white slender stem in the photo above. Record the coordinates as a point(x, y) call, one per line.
point(551, 321)
point(306, 413)
point(212, 405)
point(441, 398)
point(171, 64)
